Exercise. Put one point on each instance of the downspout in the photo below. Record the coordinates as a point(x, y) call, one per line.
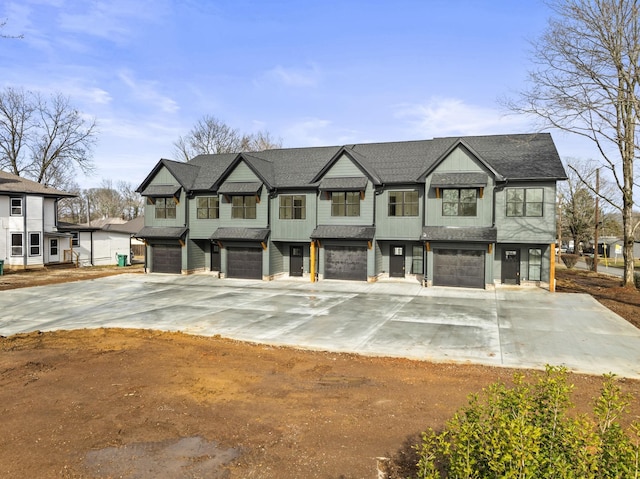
point(91, 242)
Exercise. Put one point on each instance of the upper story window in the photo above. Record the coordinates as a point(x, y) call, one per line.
point(16, 206)
point(403, 203)
point(165, 208)
point(524, 201)
point(208, 208)
point(459, 202)
point(345, 203)
point(75, 238)
point(293, 207)
point(243, 207)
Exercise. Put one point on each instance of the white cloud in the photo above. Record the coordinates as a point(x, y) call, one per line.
point(295, 77)
point(147, 92)
point(307, 132)
point(452, 117)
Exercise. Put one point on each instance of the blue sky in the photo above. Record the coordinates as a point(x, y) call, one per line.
point(309, 72)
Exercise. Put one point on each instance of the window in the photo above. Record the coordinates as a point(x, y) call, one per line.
point(416, 264)
point(16, 244)
point(165, 208)
point(535, 264)
point(34, 244)
point(75, 238)
point(524, 201)
point(243, 207)
point(16, 206)
point(403, 203)
point(459, 202)
point(293, 207)
point(345, 203)
point(207, 208)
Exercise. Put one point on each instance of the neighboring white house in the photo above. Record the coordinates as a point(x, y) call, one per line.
point(29, 234)
point(100, 242)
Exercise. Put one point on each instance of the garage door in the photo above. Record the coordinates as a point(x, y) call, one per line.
point(166, 259)
point(454, 267)
point(244, 263)
point(345, 262)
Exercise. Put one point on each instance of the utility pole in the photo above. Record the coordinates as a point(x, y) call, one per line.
point(595, 249)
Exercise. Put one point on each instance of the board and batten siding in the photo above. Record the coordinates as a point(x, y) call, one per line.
point(292, 229)
point(164, 177)
point(202, 228)
point(195, 255)
point(460, 161)
point(398, 227)
point(345, 168)
point(276, 258)
point(242, 174)
point(528, 229)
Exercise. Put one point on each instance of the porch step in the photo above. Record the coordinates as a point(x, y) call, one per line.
point(62, 265)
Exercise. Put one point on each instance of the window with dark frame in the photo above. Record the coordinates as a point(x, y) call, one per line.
point(16, 206)
point(16, 244)
point(535, 264)
point(165, 208)
point(243, 207)
point(75, 238)
point(417, 262)
point(293, 207)
point(345, 203)
point(525, 201)
point(208, 208)
point(34, 244)
point(403, 203)
point(54, 247)
point(459, 202)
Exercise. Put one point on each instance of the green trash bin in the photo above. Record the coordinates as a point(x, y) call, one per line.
point(1, 267)
point(122, 260)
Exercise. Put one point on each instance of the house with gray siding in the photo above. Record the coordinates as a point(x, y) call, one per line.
point(461, 211)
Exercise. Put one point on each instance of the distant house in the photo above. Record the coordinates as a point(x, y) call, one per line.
point(460, 211)
point(29, 233)
point(100, 242)
point(615, 249)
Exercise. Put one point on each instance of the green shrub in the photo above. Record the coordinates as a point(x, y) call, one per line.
point(570, 260)
point(523, 431)
point(590, 262)
point(636, 280)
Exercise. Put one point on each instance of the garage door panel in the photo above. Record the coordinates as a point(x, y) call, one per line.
point(345, 262)
point(166, 259)
point(244, 263)
point(462, 268)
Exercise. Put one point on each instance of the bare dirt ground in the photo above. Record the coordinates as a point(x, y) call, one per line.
point(113, 403)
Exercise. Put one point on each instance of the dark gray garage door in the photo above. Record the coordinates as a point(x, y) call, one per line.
point(454, 267)
point(166, 259)
point(244, 263)
point(345, 262)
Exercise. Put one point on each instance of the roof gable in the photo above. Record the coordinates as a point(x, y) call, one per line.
point(184, 173)
point(13, 184)
point(362, 163)
point(461, 146)
point(262, 169)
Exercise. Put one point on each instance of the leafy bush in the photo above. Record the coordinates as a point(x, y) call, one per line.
point(590, 262)
point(524, 431)
point(570, 260)
point(636, 280)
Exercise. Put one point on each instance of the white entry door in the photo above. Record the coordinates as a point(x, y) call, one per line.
point(54, 250)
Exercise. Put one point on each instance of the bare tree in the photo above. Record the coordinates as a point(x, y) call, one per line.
point(211, 136)
point(3, 24)
point(586, 81)
point(44, 140)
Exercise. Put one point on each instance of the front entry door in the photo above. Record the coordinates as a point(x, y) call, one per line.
point(295, 261)
point(510, 266)
point(54, 253)
point(396, 262)
point(215, 257)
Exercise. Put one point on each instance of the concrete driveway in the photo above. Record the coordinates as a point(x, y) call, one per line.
point(519, 328)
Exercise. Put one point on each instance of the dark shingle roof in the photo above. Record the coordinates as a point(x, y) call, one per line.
point(236, 188)
point(358, 183)
point(10, 183)
point(240, 234)
point(160, 191)
point(343, 232)
point(459, 233)
point(459, 179)
point(165, 232)
point(515, 157)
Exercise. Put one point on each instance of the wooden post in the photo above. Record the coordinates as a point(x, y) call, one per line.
point(312, 261)
point(552, 269)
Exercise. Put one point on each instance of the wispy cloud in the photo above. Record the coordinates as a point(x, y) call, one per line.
point(148, 92)
point(309, 76)
point(307, 132)
point(452, 117)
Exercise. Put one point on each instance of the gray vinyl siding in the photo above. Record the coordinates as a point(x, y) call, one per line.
point(398, 227)
point(242, 173)
point(293, 230)
point(202, 228)
point(380, 257)
point(540, 229)
point(345, 168)
point(276, 257)
point(163, 177)
point(524, 261)
point(460, 161)
point(195, 255)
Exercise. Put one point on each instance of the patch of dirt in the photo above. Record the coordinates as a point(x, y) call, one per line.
point(109, 403)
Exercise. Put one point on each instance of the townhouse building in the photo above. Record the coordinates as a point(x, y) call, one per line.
point(461, 211)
